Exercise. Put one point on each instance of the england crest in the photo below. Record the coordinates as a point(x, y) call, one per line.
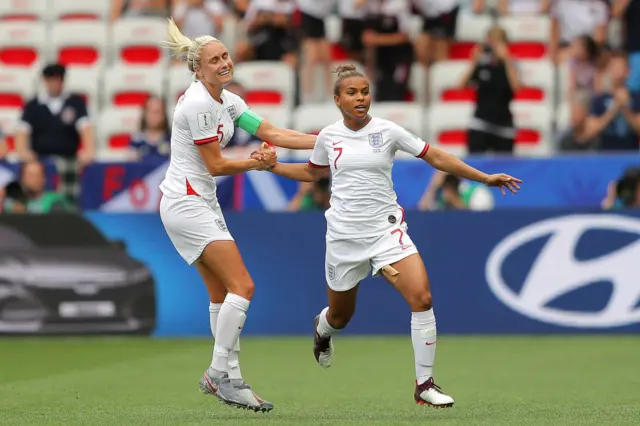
point(331, 272)
point(232, 112)
point(221, 225)
point(375, 140)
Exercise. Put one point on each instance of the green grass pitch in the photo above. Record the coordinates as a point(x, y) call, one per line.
point(563, 380)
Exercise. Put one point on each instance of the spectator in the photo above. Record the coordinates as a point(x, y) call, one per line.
point(15, 199)
point(153, 142)
point(198, 17)
point(315, 47)
point(615, 114)
point(353, 14)
point(448, 192)
point(387, 35)
point(52, 126)
point(573, 18)
point(127, 8)
point(438, 29)
point(240, 137)
point(584, 78)
point(629, 11)
point(32, 194)
point(625, 192)
point(312, 196)
point(269, 31)
point(523, 7)
point(572, 139)
point(495, 77)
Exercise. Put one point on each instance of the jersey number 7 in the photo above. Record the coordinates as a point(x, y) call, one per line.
point(335, 162)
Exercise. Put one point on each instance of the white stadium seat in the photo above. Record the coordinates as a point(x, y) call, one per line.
point(447, 126)
point(333, 26)
point(136, 40)
point(86, 82)
point(130, 85)
point(79, 10)
point(528, 35)
point(279, 117)
point(23, 10)
point(79, 43)
point(266, 82)
point(444, 82)
point(535, 128)
point(178, 80)
point(23, 43)
point(418, 83)
point(538, 79)
point(16, 87)
point(407, 115)
point(9, 118)
point(116, 126)
point(563, 117)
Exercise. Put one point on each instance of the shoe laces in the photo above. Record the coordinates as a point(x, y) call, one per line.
point(429, 384)
point(323, 343)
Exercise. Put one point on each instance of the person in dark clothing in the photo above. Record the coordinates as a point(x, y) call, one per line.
point(615, 114)
point(53, 126)
point(495, 77)
point(629, 12)
point(387, 34)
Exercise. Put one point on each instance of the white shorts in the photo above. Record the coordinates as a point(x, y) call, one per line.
point(348, 261)
point(192, 222)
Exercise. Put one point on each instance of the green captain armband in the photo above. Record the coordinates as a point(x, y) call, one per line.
point(249, 121)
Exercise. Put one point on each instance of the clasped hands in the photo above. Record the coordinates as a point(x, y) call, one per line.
point(266, 156)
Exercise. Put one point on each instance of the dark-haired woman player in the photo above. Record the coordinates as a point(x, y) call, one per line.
point(365, 225)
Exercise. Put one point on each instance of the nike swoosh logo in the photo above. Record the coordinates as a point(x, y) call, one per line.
point(336, 143)
point(430, 343)
point(406, 247)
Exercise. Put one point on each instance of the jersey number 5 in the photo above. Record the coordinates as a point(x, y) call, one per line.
point(335, 162)
point(220, 132)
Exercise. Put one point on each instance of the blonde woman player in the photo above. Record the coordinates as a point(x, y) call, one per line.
point(365, 225)
point(203, 123)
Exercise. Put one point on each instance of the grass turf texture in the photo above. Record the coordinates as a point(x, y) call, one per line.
point(494, 380)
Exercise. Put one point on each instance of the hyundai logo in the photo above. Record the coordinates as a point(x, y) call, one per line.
point(555, 271)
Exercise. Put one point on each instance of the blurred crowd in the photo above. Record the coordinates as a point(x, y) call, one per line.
point(603, 91)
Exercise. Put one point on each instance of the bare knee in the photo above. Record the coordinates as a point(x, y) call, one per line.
point(338, 319)
point(421, 301)
point(242, 287)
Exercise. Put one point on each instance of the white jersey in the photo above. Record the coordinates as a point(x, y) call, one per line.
point(362, 195)
point(198, 119)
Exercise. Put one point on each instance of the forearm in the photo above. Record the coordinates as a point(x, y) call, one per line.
point(227, 167)
point(442, 160)
point(632, 118)
point(596, 126)
point(22, 145)
point(512, 75)
point(464, 82)
point(285, 138)
point(619, 7)
point(294, 171)
point(88, 141)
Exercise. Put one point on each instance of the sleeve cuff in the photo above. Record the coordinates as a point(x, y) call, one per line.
point(317, 166)
point(205, 141)
point(83, 123)
point(424, 151)
point(23, 125)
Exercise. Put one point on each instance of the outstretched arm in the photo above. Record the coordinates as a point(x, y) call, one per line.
point(300, 172)
point(442, 160)
point(284, 138)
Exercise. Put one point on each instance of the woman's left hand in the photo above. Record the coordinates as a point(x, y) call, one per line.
point(503, 181)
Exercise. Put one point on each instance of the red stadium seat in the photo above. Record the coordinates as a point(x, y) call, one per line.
point(135, 40)
point(263, 97)
point(453, 137)
point(78, 55)
point(338, 53)
point(140, 54)
point(530, 94)
point(461, 50)
point(466, 94)
point(131, 85)
point(528, 50)
point(22, 43)
point(119, 141)
point(21, 56)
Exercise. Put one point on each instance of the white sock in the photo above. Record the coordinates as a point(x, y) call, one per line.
point(234, 362)
point(324, 329)
point(423, 336)
point(230, 322)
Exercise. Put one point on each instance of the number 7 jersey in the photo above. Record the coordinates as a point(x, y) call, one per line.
point(363, 201)
point(198, 119)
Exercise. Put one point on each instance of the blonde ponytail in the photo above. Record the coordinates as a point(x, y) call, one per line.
point(179, 44)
